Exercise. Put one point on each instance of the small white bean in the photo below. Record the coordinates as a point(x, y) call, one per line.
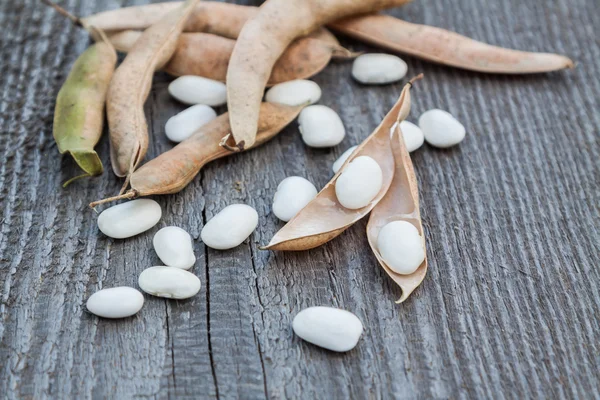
point(129, 219)
point(191, 89)
point(441, 129)
point(173, 246)
point(340, 161)
point(293, 194)
point(330, 328)
point(401, 247)
point(117, 302)
point(412, 134)
point(230, 227)
point(376, 68)
point(169, 282)
point(294, 93)
point(320, 126)
point(181, 126)
point(359, 183)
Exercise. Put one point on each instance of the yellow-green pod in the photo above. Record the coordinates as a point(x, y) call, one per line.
point(79, 113)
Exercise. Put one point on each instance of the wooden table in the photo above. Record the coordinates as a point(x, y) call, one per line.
point(509, 308)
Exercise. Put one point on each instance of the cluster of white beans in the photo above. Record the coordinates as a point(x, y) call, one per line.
point(400, 244)
point(173, 245)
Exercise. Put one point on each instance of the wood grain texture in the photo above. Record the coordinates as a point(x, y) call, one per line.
point(509, 308)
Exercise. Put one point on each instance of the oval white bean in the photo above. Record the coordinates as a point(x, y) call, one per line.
point(441, 129)
point(294, 93)
point(401, 247)
point(169, 282)
point(330, 328)
point(230, 227)
point(181, 126)
point(376, 68)
point(293, 194)
point(340, 161)
point(320, 126)
point(412, 134)
point(117, 302)
point(359, 183)
point(173, 246)
point(198, 90)
point(129, 219)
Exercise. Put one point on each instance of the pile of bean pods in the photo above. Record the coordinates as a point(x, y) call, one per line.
point(229, 54)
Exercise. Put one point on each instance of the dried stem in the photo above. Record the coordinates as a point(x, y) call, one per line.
point(416, 78)
point(342, 53)
point(129, 195)
point(234, 149)
point(74, 19)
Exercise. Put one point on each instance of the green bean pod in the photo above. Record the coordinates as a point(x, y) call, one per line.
point(79, 112)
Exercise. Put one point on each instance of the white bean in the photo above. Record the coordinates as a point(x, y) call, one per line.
point(117, 302)
point(293, 194)
point(169, 282)
point(230, 227)
point(359, 183)
point(320, 126)
point(441, 129)
point(198, 90)
point(129, 219)
point(330, 328)
point(294, 93)
point(173, 246)
point(181, 126)
point(378, 68)
point(340, 161)
point(401, 247)
point(412, 134)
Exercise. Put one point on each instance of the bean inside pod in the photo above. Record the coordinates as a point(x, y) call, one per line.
point(324, 218)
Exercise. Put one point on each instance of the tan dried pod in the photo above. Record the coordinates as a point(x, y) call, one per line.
point(400, 203)
point(223, 19)
point(445, 47)
point(324, 218)
point(131, 85)
point(171, 171)
point(207, 55)
point(262, 41)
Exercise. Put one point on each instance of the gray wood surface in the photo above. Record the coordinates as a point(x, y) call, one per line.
point(509, 308)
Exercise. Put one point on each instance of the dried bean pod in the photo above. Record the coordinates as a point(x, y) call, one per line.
point(223, 19)
point(173, 170)
point(79, 111)
point(445, 47)
point(207, 55)
point(324, 218)
point(130, 87)
point(400, 203)
point(270, 32)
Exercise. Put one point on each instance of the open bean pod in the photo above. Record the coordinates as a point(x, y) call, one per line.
point(324, 218)
point(400, 203)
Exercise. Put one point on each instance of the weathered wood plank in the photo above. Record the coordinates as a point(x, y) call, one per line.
point(508, 310)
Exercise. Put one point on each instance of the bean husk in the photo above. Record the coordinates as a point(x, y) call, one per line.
point(262, 41)
point(223, 19)
point(400, 203)
point(445, 47)
point(131, 85)
point(207, 55)
point(171, 171)
point(324, 218)
point(79, 110)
